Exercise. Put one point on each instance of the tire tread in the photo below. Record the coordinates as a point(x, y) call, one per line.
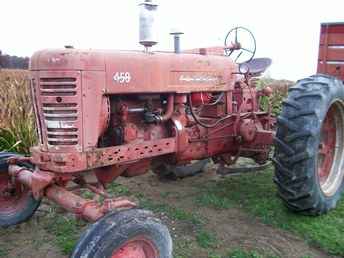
point(296, 183)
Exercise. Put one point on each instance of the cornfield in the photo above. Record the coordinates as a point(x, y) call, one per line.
point(17, 126)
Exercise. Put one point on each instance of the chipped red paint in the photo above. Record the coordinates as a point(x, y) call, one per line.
point(77, 162)
point(36, 181)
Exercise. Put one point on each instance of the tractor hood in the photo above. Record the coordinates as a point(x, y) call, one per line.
point(138, 71)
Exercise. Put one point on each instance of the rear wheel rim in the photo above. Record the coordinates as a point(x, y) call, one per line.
point(139, 247)
point(330, 154)
point(13, 196)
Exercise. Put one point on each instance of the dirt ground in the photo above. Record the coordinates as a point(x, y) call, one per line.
point(233, 227)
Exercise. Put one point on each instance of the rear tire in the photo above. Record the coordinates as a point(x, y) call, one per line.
point(125, 234)
point(16, 205)
point(309, 146)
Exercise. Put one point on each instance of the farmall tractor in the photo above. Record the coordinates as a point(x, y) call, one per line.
point(105, 114)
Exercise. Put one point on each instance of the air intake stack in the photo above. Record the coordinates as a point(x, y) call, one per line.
point(148, 31)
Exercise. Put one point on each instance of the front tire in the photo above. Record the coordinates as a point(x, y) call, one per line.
point(130, 233)
point(309, 146)
point(16, 201)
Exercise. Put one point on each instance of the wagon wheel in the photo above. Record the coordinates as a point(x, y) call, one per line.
point(130, 233)
point(309, 156)
point(16, 201)
point(173, 172)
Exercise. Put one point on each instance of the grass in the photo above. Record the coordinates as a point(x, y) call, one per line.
point(158, 207)
point(239, 253)
point(171, 211)
point(257, 195)
point(183, 247)
point(66, 231)
point(206, 240)
point(118, 189)
point(3, 251)
point(212, 200)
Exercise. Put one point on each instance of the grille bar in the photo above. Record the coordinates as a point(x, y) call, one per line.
point(57, 79)
point(52, 134)
point(56, 92)
point(57, 84)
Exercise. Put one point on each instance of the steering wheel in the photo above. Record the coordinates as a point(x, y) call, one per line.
point(241, 53)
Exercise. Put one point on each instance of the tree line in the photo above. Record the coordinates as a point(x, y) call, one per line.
point(13, 62)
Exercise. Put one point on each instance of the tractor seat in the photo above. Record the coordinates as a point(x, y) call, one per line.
point(257, 66)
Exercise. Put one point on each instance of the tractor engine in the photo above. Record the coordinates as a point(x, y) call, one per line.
point(121, 113)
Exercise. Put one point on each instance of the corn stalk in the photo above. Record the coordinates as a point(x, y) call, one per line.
point(17, 122)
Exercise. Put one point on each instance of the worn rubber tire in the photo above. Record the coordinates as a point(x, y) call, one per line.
point(166, 171)
point(111, 232)
point(297, 144)
point(26, 210)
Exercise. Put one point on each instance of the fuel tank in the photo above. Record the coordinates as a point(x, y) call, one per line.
point(141, 72)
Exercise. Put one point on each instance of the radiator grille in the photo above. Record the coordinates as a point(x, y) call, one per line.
point(60, 110)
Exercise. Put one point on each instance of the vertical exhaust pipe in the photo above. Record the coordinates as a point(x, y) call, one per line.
point(176, 35)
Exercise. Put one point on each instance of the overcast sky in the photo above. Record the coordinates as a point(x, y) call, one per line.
point(286, 30)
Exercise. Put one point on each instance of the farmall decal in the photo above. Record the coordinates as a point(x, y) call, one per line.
point(198, 78)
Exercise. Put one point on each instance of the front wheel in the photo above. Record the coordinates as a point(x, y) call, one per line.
point(16, 201)
point(130, 233)
point(309, 153)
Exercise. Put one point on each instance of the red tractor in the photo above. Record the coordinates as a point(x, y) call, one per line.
point(105, 114)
